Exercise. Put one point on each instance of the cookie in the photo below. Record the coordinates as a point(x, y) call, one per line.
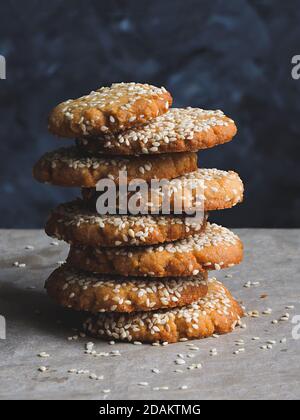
point(67, 167)
point(109, 109)
point(221, 190)
point(179, 130)
point(215, 248)
point(218, 312)
point(101, 293)
point(76, 224)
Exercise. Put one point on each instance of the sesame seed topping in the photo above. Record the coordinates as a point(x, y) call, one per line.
point(126, 229)
point(128, 326)
point(213, 235)
point(110, 101)
point(120, 292)
point(176, 125)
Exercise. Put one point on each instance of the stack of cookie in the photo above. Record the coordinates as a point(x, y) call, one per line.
point(142, 276)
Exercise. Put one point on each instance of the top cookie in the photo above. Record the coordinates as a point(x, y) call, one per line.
point(179, 130)
point(109, 109)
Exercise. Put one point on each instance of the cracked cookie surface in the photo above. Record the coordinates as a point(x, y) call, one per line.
point(75, 224)
point(68, 167)
point(179, 130)
point(215, 248)
point(94, 293)
point(109, 109)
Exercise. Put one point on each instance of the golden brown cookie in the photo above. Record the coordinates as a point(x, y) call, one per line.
point(217, 312)
point(220, 189)
point(179, 130)
point(215, 248)
point(75, 224)
point(109, 109)
point(68, 167)
point(101, 293)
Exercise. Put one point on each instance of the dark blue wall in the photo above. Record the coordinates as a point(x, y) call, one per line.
point(233, 55)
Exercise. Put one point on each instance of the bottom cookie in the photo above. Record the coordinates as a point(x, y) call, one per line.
point(217, 312)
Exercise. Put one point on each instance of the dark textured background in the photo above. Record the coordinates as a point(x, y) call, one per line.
point(233, 55)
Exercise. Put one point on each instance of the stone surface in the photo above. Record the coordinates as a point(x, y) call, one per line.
point(217, 54)
point(35, 325)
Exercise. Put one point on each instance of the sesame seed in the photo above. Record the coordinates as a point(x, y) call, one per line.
point(143, 383)
point(268, 311)
point(89, 346)
point(43, 354)
point(82, 372)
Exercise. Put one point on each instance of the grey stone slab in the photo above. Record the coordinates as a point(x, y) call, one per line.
point(35, 324)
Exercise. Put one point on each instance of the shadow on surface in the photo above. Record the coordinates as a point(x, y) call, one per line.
point(33, 309)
